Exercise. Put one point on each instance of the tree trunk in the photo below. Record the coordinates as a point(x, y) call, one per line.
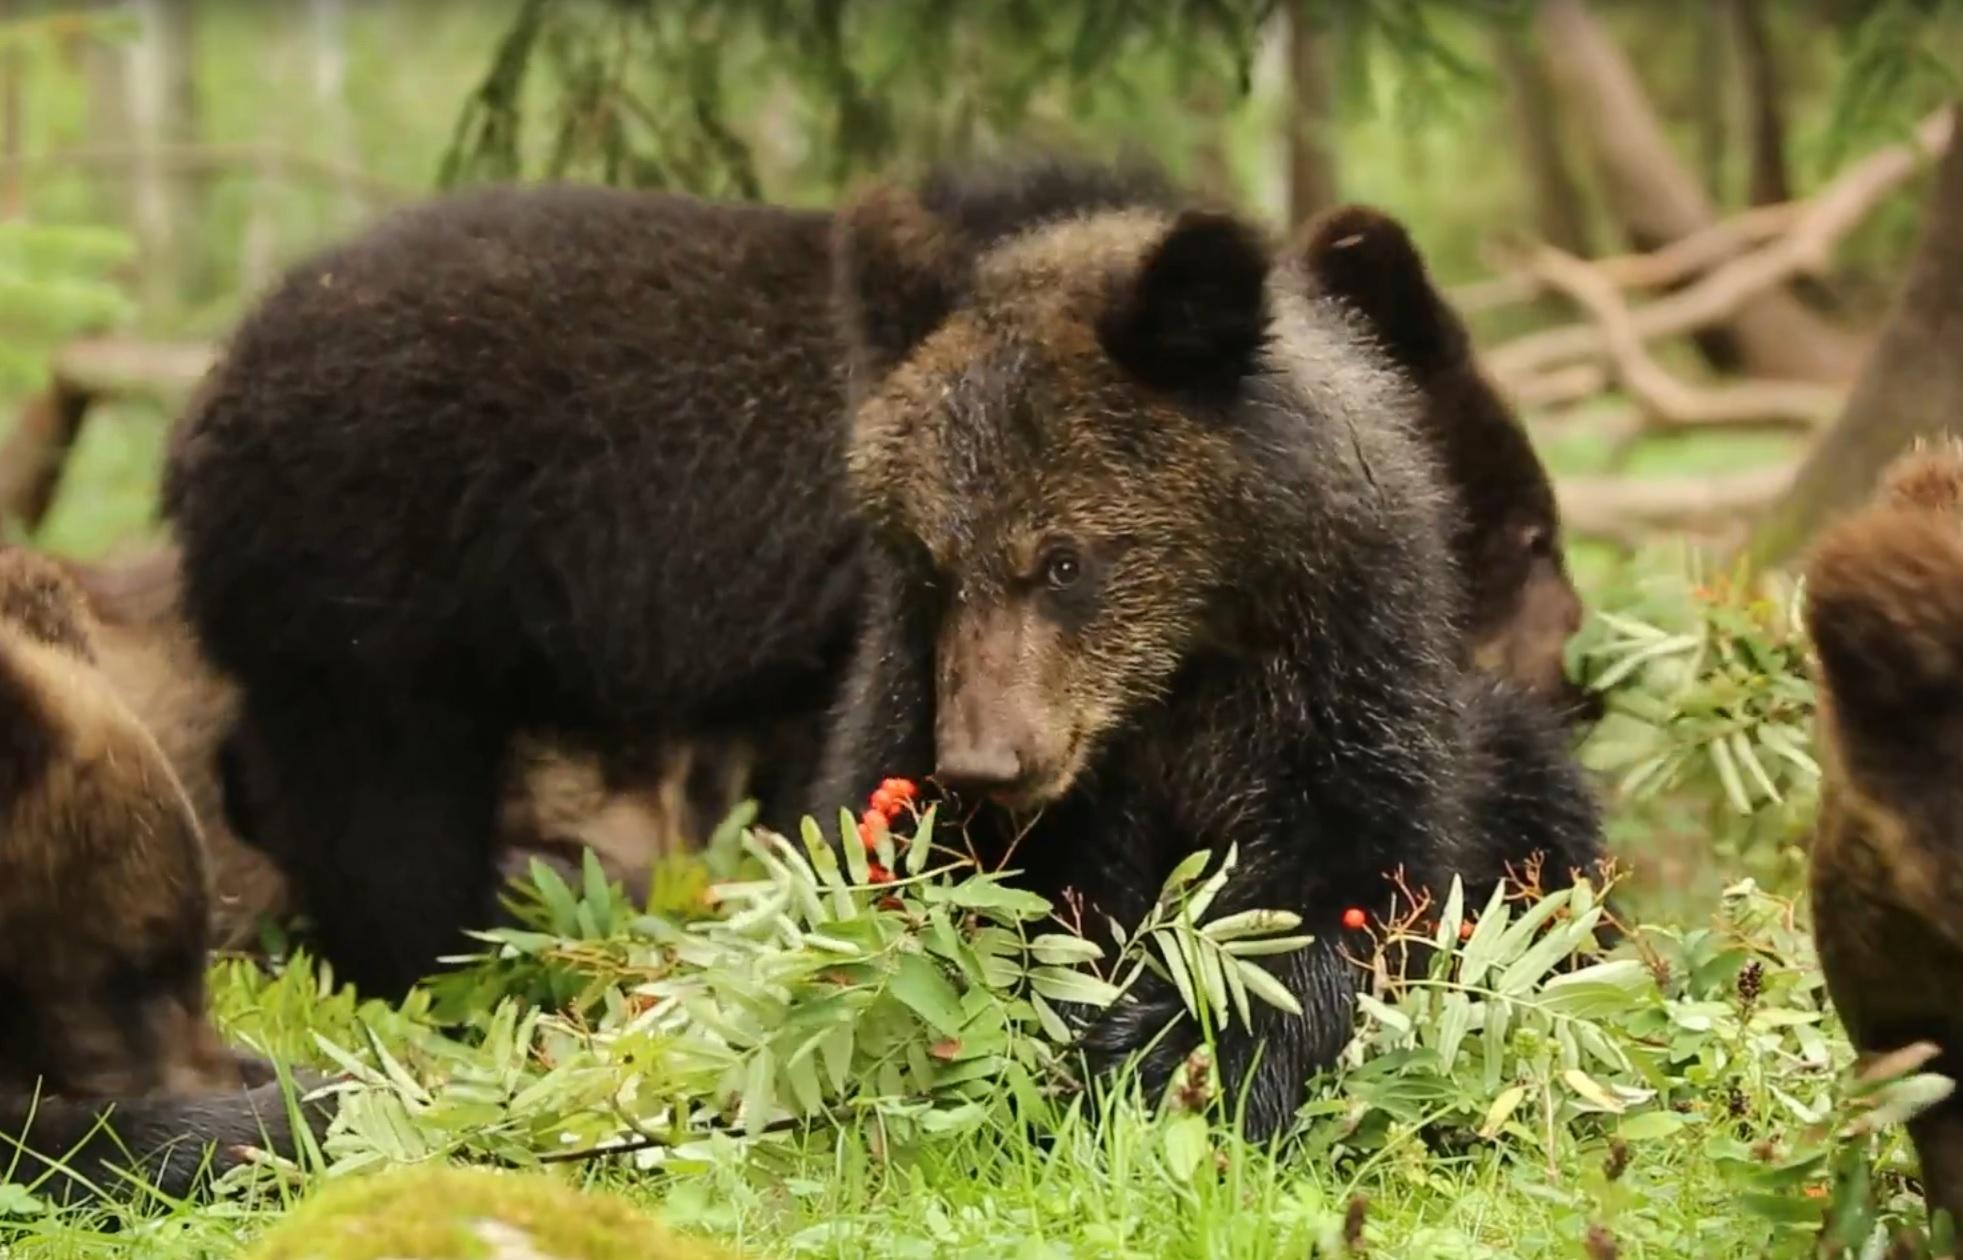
point(1560, 216)
point(1711, 101)
point(162, 86)
point(1765, 120)
point(329, 35)
point(1657, 200)
point(1912, 387)
point(13, 122)
point(1311, 118)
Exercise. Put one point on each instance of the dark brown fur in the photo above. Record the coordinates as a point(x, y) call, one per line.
point(1521, 607)
point(1160, 563)
point(103, 893)
point(559, 798)
point(1885, 609)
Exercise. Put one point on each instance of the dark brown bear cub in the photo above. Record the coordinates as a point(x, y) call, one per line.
point(103, 919)
point(1160, 563)
point(1521, 607)
point(1884, 602)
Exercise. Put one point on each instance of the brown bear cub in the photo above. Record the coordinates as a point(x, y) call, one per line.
point(1521, 607)
point(1159, 561)
point(1884, 606)
point(103, 918)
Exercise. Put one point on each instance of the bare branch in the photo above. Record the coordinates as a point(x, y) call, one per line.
point(1674, 402)
point(35, 452)
point(1678, 261)
point(1805, 247)
point(1625, 508)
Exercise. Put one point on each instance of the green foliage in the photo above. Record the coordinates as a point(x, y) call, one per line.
point(1900, 61)
point(680, 95)
point(1708, 701)
point(55, 281)
point(805, 993)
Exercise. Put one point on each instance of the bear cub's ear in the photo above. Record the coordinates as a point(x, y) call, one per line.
point(1366, 258)
point(1195, 316)
point(898, 270)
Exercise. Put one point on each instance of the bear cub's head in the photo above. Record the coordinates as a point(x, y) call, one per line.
point(1081, 433)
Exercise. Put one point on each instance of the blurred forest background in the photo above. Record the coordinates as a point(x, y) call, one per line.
point(1677, 225)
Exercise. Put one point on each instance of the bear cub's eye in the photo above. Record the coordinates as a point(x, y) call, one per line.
point(1061, 569)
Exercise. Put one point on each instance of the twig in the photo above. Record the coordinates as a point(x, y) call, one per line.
point(1624, 508)
point(1805, 247)
point(1679, 260)
point(1673, 402)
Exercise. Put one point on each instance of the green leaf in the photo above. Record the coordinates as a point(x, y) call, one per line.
point(921, 847)
point(1734, 787)
point(919, 983)
point(759, 1091)
point(1591, 1090)
point(1063, 950)
point(1262, 984)
point(1267, 946)
point(1185, 873)
point(1063, 985)
point(1185, 1145)
point(1176, 968)
point(987, 893)
point(1052, 1022)
point(1450, 918)
point(1501, 1110)
point(1454, 1021)
point(1649, 1126)
point(855, 850)
point(1247, 923)
point(1649, 651)
point(1741, 751)
point(836, 1049)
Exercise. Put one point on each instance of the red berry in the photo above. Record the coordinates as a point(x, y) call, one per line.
point(901, 790)
point(877, 874)
point(1465, 929)
point(883, 801)
point(1354, 918)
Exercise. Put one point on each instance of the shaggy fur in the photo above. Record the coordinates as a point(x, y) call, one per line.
point(1885, 610)
point(78, 1149)
point(558, 798)
point(495, 466)
point(1160, 564)
point(1521, 606)
point(103, 898)
point(573, 459)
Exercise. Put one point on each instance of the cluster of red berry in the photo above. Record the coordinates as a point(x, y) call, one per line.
point(1356, 920)
point(889, 800)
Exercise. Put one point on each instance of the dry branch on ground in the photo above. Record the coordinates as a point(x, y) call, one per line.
point(1804, 247)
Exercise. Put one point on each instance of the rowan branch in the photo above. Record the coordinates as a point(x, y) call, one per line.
point(1672, 402)
point(1805, 247)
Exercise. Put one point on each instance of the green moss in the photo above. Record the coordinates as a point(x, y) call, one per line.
point(448, 1213)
